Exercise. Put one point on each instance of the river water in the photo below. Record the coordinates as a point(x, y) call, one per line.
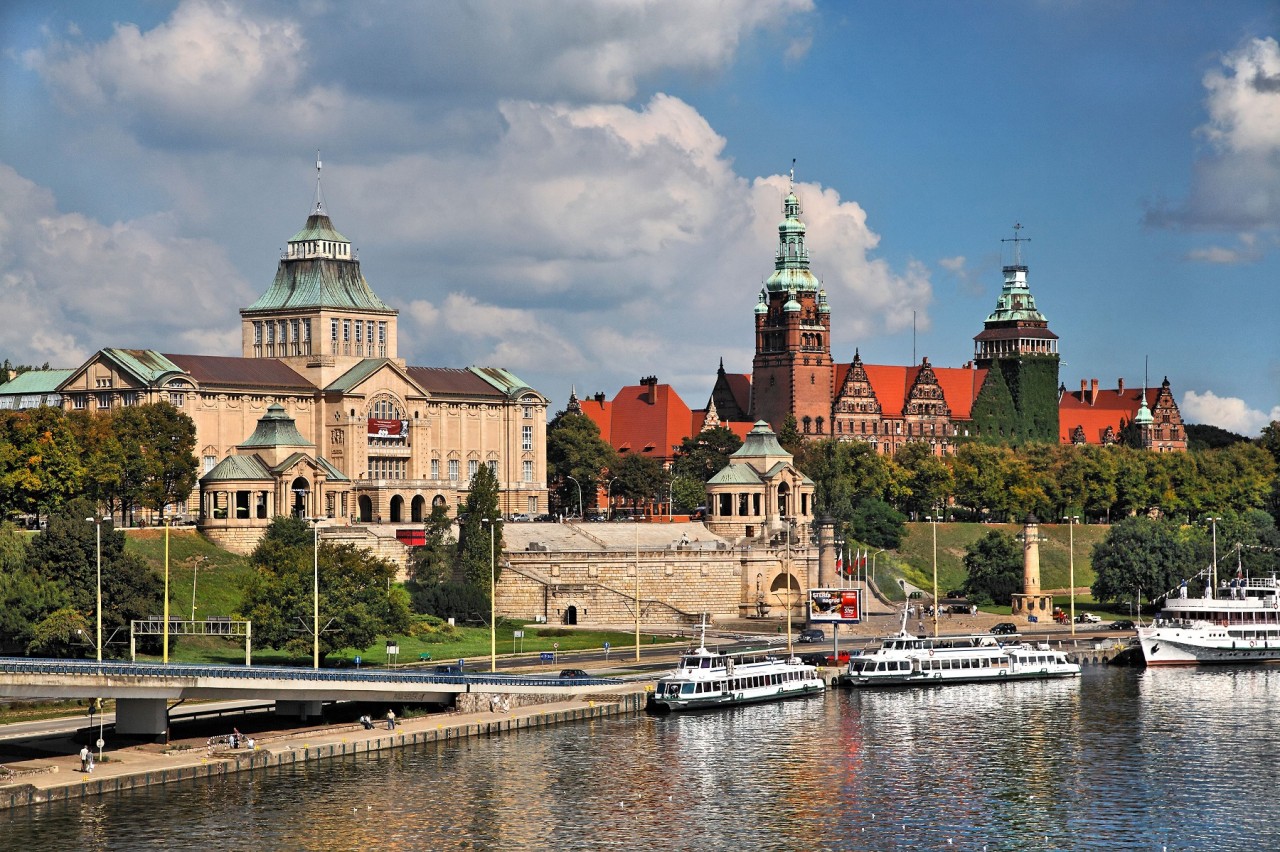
point(1179, 759)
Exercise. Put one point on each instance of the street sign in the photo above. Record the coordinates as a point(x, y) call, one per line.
point(546, 657)
point(357, 661)
point(606, 651)
point(517, 634)
point(100, 743)
point(462, 664)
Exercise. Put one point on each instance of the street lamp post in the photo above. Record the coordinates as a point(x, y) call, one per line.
point(195, 573)
point(866, 578)
point(786, 575)
point(1072, 520)
point(575, 482)
point(493, 597)
point(609, 497)
point(637, 593)
point(97, 525)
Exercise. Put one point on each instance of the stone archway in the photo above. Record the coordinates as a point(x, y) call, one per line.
point(366, 508)
point(300, 489)
point(417, 509)
point(397, 509)
point(571, 614)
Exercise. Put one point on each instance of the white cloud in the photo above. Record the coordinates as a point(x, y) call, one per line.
point(72, 285)
point(1225, 412)
point(1236, 184)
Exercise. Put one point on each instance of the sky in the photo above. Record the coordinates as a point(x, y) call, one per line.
point(586, 193)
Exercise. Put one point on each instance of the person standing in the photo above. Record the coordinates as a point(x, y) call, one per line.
point(85, 756)
point(391, 719)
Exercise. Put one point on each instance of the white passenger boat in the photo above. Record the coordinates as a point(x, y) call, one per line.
point(706, 679)
point(1238, 624)
point(907, 660)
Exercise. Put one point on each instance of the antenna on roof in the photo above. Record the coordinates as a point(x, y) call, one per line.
point(793, 173)
point(319, 209)
point(1017, 243)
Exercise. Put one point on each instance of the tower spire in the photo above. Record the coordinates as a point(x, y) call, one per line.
point(1017, 243)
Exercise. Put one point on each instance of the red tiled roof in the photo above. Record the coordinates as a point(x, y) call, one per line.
point(601, 414)
point(959, 385)
point(629, 422)
point(1109, 407)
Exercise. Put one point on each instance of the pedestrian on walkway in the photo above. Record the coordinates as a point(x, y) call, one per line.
point(85, 755)
point(391, 719)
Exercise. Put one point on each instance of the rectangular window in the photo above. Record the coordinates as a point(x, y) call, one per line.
point(435, 468)
point(104, 400)
point(346, 331)
point(382, 332)
point(533, 505)
point(493, 467)
point(271, 333)
point(473, 467)
point(257, 333)
point(453, 470)
point(177, 399)
point(526, 438)
point(359, 332)
point(368, 334)
point(528, 471)
point(528, 412)
point(209, 462)
point(130, 397)
point(333, 330)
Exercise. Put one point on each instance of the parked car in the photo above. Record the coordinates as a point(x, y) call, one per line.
point(842, 659)
point(1121, 624)
point(520, 518)
point(449, 669)
point(811, 635)
point(573, 673)
point(1004, 628)
point(1088, 618)
point(813, 659)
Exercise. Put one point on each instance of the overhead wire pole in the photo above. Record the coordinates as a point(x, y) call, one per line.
point(637, 593)
point(493, 596)
point(165, 642)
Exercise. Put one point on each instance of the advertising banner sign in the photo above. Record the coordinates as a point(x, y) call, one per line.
point(388, 428)
point(843, 606)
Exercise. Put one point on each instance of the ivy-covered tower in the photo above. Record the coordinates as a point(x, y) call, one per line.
point(792, 371)
point(1018, 401)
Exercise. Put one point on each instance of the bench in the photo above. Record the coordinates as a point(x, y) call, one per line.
point(423, 657)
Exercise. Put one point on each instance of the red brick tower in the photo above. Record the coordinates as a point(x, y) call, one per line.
point(792, 371)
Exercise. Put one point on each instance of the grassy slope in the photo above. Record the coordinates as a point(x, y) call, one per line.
point(220, 583)
point(916, 562)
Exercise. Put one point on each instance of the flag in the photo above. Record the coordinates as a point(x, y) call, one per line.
point(839, 563)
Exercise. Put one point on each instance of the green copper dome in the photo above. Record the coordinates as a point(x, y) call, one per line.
point(791, 263)
point(762, 305)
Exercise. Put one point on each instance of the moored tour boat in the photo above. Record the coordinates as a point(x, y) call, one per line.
point(1239, 624)
point(705, 679)
point(908, 660)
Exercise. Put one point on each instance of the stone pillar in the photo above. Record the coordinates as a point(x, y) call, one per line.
point(302, 710)
point(826, 554)
point(142, 717)
point(1032, 603)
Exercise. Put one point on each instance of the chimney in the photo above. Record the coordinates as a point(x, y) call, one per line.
point(1093, 391)
point(1084, 391)
point(1120, 387)
point(650, 384)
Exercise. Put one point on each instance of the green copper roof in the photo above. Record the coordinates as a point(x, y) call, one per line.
point(311, 281)
point(238, 469)
point(276, 429)
point(318, 227)
point(36, 381)
point(504, 380)
point(761, 442)
point(791, 263)
point(357, 374)
point(1016, 304)
point(146, 364)
point(736, 474)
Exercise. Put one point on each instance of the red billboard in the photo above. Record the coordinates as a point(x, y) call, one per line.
point(841, 606)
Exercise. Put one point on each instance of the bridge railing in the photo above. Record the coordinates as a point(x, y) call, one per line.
point(85, 668)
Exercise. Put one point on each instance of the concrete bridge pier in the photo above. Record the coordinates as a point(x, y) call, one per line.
point(301, 710)
point(142, 717)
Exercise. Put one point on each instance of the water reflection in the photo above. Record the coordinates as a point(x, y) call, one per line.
point(1121, 759)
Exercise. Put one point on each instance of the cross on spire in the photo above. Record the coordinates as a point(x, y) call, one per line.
point(319, 207)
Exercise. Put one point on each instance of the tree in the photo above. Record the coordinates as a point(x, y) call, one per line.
point(703, 455)
point(575, 448)
point(878, 524)
point(40, 461)
point(172, 440)
point(26, 598)
point(789, 435)
point(844, 473)
point(62, 633)
point(994, 563)
point(687, 493)
point(479, 544)
point(358, 602)
point(640, 478)
point(66, 553)
point(918, 479)
point(434, 562)
point(1140, 553)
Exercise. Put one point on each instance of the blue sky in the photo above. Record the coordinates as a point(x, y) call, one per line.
point(587, 193)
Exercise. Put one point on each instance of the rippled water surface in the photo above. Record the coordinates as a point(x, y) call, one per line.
point(1121, 759)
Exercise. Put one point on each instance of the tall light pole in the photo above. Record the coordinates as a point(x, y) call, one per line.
point(867, 577)
point(493, 597)
point(97, 525)
point(933, 521)
point(315, 591)
point(637, 593)
point(195, 573)
point(1072, 520)
point(786, 573)
point(609, 498)
point(1214, 522)
point(575, 482)
point(165, 643)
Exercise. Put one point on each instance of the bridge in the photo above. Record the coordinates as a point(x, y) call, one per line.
point(143, 692)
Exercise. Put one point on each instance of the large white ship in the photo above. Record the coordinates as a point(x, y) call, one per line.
point(1238, 624)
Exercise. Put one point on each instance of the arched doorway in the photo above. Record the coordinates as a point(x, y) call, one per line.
point(397, 509)
point(784, 500)
point(366, 508)
point(417, 508)
point(571, 614)
point(301, 490)
point(784, 592)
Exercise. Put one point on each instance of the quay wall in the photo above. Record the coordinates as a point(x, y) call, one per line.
point(222, 764)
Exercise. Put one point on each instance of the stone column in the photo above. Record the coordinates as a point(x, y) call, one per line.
point(827, 553)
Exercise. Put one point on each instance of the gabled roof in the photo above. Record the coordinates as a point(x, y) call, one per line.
point(1108, 408)
point(601, 413)
point(238, 469)
point(145, 365)
point(736, 474)
point(225, 371)
point(449, 381)
point(359, 372)
point(509, 383)
point(649, 428)
point(891, 383)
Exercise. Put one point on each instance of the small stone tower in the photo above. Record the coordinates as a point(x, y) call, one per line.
point(1032, 602)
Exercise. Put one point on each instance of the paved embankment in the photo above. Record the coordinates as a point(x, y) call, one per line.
point(57, 777)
